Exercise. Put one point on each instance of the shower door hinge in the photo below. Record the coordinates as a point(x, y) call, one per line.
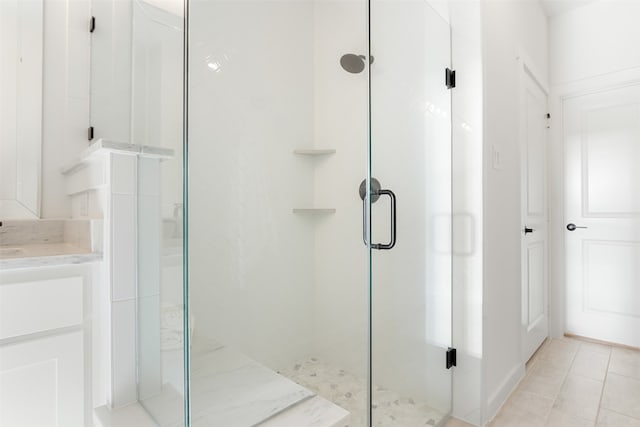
point(451, 357)
point(450, 78)
point(90, 133)
point(92, 24)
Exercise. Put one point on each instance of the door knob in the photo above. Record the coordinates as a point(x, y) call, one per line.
point(571, 226)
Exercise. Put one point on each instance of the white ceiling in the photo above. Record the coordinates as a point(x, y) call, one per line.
point(556, 7)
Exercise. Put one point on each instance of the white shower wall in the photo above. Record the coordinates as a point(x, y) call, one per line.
point(340, 121)
point(251, 105)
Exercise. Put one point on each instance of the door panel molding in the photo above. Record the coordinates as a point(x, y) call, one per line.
point(607, 144)
point(595, 299)
point(536, 256)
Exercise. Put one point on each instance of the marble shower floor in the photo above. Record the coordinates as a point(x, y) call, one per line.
point(227, 389)
point(348, 391)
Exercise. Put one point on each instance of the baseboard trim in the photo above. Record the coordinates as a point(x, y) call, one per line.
point(596, 341)
point(499, 397)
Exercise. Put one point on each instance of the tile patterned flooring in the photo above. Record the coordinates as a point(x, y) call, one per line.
point(348, 391)
point(568, 383)
point(575, 383)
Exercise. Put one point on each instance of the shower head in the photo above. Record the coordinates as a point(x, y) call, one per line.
point(353, 63)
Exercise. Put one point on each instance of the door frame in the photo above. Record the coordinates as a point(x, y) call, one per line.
point(528, 70)
point(556, 174)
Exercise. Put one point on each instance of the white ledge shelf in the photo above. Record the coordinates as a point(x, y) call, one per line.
point(314, 211)
point(314, 151)
point(103, 146)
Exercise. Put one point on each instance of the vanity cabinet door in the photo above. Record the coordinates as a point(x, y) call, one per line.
point(42, 355)
point(41, 382)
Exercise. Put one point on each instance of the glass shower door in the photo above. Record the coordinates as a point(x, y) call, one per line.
point(411, 158)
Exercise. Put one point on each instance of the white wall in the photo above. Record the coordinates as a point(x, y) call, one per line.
point(508, 27)
point(340, 275)
point(581, 60)
point(65, 97)
point(593, 40)
point(251, 105)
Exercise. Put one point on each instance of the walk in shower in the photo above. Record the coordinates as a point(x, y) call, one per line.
point(311, 283)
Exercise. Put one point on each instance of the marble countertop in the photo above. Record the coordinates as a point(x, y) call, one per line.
point(44, 255)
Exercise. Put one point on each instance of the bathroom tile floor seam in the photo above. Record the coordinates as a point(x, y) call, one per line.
point(571, 382)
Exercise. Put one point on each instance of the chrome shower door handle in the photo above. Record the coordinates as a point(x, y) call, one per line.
point(392, 242)
point(376, 192)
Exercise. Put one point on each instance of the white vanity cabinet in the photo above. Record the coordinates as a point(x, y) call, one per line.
point(45, 346)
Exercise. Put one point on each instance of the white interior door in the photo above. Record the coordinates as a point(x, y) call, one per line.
point(533, 135)
point(602, 191)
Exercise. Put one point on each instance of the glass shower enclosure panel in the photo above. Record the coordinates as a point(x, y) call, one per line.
point(411, 159)
point(278, 273)
point(314, 125)
point(157, 128)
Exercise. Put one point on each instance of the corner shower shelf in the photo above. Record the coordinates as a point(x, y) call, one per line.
point(314, 151)
point(314, 211)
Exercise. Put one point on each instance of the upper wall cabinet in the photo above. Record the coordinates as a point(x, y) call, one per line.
point(21, 49)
